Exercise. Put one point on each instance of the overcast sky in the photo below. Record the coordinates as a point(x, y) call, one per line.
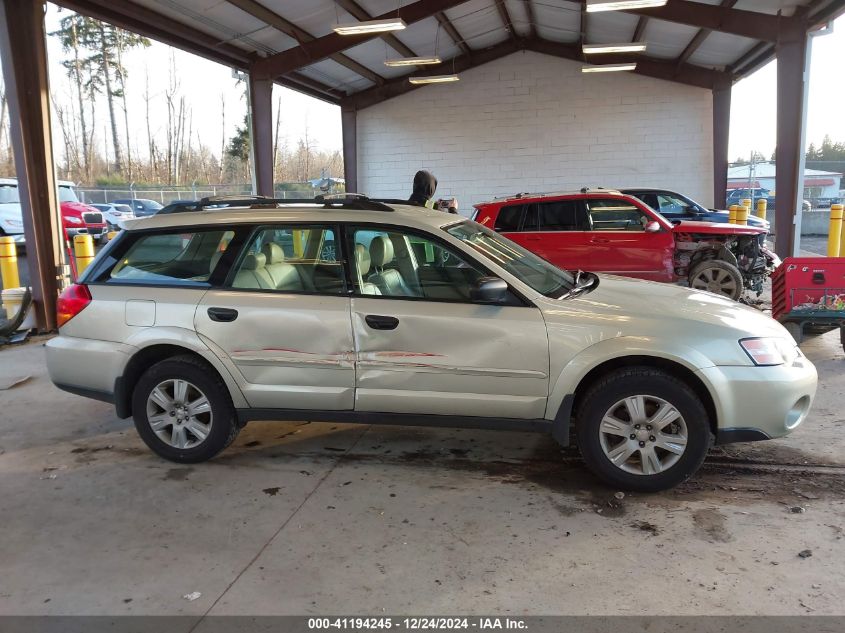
point(203, 82)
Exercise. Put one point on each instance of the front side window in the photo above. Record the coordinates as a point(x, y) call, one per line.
point(530, 269)
point(291, 259)
point(393, 263)
point(171, 258)
point(613, 214)
point(508, 218)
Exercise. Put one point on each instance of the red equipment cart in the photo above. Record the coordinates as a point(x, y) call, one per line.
point(808, 294)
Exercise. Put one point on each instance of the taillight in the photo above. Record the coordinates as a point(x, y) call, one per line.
point(71, 302)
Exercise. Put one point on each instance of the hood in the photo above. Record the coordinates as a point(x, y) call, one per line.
point(753, 220)
point(716, 228)
point(77, 208)
point(667, 315)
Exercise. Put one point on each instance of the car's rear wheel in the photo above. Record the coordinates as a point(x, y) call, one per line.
point(641, 429)
point(182, 410)
point(717, 276)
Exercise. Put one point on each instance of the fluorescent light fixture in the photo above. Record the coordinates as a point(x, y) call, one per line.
point(594, 49)
point(370, 26)
point(608, 68)
point(412, 61)
point(433, 79)
point(594, 6)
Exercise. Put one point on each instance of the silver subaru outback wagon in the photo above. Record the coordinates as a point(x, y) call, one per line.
point(195, 322)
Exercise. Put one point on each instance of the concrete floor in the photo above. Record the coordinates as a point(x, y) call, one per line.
point(299, 518)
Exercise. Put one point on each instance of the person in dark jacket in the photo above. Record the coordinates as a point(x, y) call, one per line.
point(425, 184)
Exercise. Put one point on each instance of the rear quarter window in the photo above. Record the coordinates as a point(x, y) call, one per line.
point(170, 258)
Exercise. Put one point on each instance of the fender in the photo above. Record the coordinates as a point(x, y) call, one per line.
point(189, 339)
point(586, 360)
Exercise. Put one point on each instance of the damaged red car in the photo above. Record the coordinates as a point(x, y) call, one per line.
point(610, 232)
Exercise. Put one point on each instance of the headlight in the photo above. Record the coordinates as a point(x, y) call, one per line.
point(770, 351)
point(73, 220)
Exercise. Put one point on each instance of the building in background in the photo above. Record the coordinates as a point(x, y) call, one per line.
point(821, 188)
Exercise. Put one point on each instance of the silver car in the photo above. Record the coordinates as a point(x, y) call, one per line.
point(354, 310)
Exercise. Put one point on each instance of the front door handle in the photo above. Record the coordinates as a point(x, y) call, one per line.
point(599, 240)
point(378, 322)
point(222, 315)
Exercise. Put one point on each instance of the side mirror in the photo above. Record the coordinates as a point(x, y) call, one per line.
point(652, 227)
point(489, 290)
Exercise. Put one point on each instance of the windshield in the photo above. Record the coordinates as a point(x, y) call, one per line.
point(522, 264)
point(9, 194)
point(66, 194)
point(673, 203)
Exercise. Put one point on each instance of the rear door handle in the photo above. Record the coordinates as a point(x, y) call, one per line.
point(599, 240)
point(378, 322)
point(222, 315)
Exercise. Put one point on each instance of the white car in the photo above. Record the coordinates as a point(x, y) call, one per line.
point(11, 215)
point(353, 310)
point(114, 214)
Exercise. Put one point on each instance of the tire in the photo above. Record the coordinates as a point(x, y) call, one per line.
point(214, 416)
point(842, 336)
point(719, 277)
point(603, 431)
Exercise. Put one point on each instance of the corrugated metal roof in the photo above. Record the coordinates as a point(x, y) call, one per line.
point(238, 29)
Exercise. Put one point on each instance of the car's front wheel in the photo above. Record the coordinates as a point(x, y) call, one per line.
point(641, 429)
point(717, 276)
point(182, 410)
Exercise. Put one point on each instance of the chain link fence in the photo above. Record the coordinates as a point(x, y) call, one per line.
point(166, 195)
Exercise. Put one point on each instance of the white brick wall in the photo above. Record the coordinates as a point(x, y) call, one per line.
point(530, 122)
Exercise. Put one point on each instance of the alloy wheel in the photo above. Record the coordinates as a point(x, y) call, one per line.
point(643, 435)
point(179, 413)
point(715, 280)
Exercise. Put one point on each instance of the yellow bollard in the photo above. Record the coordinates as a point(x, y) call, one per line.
point(9, 263)
point(835, 233)
point(742, 215)
point(732, 213)
point(747, 202)
point(83, 248)
point(111, 235)
point(761, 208)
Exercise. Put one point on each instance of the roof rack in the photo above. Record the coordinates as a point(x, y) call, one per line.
point(351, 201)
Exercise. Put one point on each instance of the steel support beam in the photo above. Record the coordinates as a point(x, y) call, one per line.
point(792, 83)
point(261, 134)
point(349, 130)
point(758, 26)
point(532, 18)
point(452, 32)
point(24, 57)
point(721, 136)
point(311, 52)
point(505, 16)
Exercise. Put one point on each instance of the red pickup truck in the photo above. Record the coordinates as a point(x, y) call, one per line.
point(607, 231)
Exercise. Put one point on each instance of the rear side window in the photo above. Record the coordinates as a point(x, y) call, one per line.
point(560, 215)
point(292, 259)
point(171, 258)
point(509, 218)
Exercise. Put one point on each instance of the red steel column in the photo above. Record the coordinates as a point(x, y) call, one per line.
point(721, 135)
point(791, 84)
point(349, 125)
point(261, 131)
point(24, 58)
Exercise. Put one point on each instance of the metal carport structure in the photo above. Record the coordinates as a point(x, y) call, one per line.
point(709, 44)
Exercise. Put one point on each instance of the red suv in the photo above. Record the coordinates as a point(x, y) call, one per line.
point(607, 231)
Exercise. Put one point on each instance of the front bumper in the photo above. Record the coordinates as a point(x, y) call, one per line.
point(756, 403)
